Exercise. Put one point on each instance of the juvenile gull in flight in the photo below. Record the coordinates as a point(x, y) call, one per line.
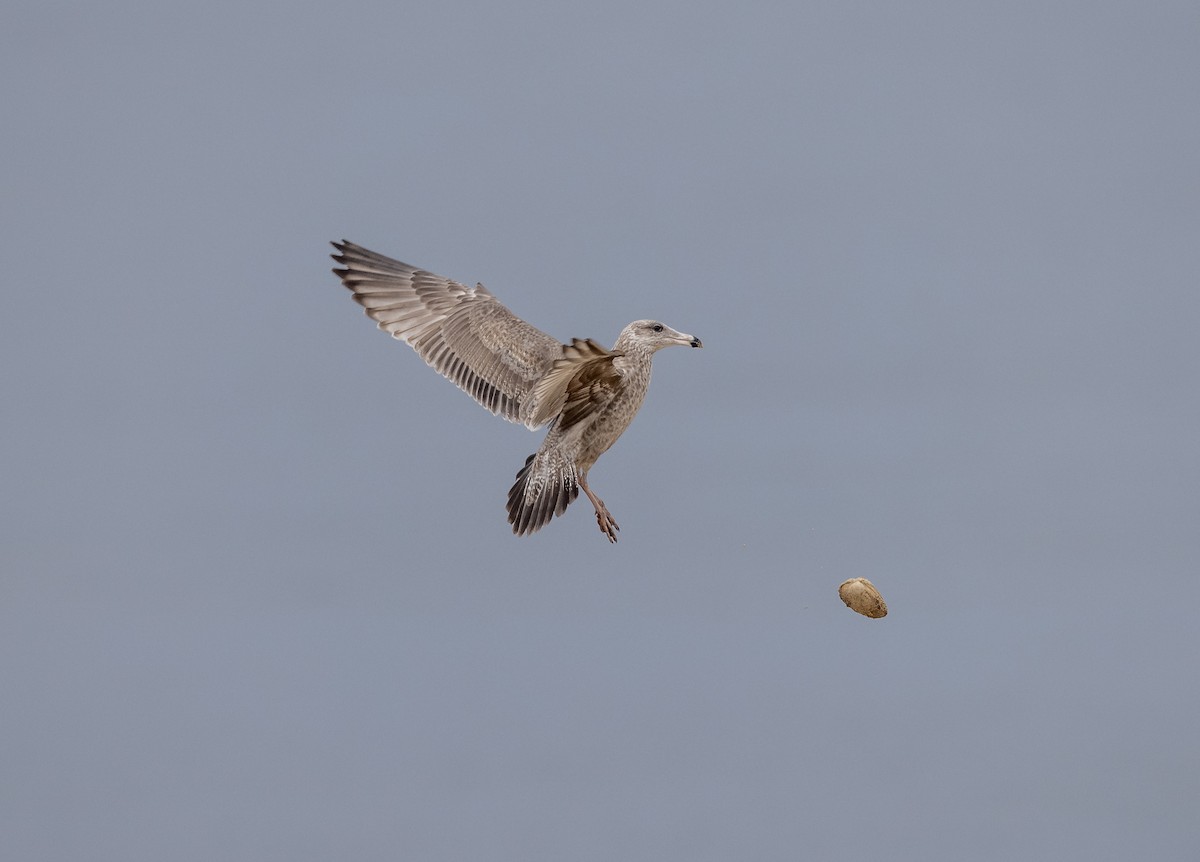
point(586, 394)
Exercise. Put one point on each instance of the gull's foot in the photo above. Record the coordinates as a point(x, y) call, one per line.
point(607, 525)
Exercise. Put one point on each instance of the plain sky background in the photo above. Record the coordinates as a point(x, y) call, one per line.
point(258, 597)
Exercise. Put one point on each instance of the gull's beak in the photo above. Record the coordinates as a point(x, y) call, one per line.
point(682, 338)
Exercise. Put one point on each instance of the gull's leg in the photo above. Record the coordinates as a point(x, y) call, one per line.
point(605, 519)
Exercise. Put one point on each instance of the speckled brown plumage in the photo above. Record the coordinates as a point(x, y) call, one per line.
point(587, 395)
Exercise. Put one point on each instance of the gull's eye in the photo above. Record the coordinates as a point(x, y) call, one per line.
point(657, 327)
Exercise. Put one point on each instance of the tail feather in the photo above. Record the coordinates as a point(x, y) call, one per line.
point(544, 488)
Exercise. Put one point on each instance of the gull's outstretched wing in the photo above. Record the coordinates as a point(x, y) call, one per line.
point(462, 332)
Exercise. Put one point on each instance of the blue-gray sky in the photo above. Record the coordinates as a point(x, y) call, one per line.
point(258, 597)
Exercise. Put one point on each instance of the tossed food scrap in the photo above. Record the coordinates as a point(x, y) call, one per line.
point(860, 596)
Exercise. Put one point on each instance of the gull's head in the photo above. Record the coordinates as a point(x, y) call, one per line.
point(652, 335)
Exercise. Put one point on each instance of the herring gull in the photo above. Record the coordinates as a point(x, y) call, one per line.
point(585, 394)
